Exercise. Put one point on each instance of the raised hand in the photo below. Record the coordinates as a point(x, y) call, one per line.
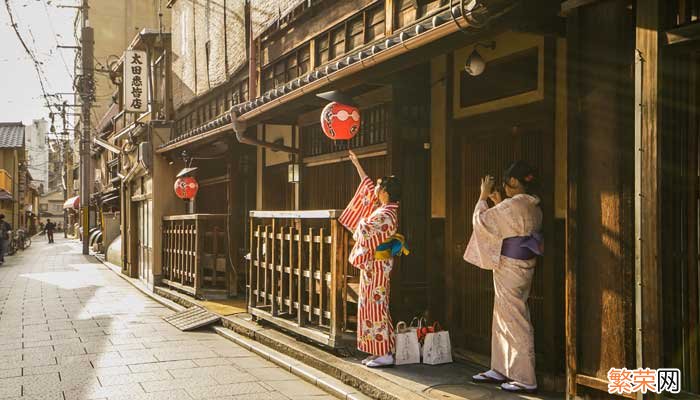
point(356, 162)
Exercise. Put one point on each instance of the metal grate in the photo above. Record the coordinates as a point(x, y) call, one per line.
point(191, 318)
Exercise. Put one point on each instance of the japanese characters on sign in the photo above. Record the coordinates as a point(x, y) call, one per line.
point(624, 381)
point(135, 81)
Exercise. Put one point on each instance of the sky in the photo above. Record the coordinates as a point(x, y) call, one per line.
point(43, 26)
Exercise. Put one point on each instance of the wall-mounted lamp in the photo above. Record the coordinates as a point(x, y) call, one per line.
point(293, 173)
point(475, 63)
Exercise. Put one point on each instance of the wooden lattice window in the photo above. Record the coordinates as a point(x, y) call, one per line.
point(322, 53)
point(375, 23)
point(304, 60)
point(337, 47)
point(356, 29)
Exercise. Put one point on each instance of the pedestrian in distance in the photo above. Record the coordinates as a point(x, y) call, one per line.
point(50, 227)
point(5, 231)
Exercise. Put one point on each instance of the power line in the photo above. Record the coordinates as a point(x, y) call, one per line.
point(55, 36)
point(36, 62)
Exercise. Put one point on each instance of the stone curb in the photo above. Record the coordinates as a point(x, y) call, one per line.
point(351, 374)
point(317, 378)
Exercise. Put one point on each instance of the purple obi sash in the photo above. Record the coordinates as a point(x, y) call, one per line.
point(523, 247)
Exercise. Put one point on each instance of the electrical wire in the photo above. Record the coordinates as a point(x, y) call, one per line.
point(48, 17)
point(31, 55)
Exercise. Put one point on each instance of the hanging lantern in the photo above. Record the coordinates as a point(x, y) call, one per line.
point(340, 121)
point(186, 187)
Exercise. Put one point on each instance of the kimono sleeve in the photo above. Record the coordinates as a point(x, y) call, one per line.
point(361, 206)
point(375, 230)
point(484, 248)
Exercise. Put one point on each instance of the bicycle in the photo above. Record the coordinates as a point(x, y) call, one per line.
point(23, 240)
point(18, 240)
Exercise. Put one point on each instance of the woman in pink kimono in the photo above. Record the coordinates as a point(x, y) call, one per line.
point(507, 240)
point(372, 217)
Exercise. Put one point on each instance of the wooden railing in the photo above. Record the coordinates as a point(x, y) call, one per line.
point(5, 181)
point(195, 253)
point(298, 272)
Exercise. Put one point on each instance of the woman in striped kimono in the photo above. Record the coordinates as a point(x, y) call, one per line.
point(372, 217)
point(507, 240)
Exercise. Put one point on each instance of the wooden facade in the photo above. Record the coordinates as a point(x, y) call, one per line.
point(614, 138)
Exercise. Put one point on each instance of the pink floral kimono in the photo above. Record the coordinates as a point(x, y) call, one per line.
point(512, 340)
point(371, 224)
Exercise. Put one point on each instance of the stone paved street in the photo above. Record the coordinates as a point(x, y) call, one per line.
point(71, 329)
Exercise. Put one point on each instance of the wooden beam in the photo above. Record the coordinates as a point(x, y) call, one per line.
point(649, 340)
point(570, 5)
point(598, 384)
point(683, 35)
point(571, 266)
point(389, 7)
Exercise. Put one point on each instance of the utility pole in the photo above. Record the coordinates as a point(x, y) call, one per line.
point(67, 167)
point(87, 42)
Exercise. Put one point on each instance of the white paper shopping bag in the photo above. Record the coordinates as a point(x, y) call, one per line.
point(437, 348)
point(407, 346)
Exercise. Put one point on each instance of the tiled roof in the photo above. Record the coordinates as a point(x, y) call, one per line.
point(11, 135)
point(419, 28)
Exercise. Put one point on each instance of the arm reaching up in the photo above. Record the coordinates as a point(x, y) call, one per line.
point(356, 163)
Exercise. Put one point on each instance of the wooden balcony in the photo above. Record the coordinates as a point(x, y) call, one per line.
point(195, 254)
point(5, 181)
point(299, 277)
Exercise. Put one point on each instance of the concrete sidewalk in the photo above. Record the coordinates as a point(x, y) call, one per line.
point(72, 329)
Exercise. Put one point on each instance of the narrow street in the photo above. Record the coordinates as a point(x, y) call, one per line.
point(71, 329)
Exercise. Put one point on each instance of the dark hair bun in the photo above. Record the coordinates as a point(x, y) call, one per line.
point(522, 171)
point(392, 185)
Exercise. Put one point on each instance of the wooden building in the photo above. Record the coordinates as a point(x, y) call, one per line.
point(582, 89)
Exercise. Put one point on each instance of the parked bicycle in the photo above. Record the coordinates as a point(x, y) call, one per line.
point(19, 240)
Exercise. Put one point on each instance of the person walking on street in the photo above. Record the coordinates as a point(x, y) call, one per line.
point(50, 227)
point(5, 230)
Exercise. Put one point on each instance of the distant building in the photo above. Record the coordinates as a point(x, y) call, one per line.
point(36, 135)
point(11, 155)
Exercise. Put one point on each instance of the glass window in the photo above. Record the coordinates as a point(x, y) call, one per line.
point(337, 42)
point(322, 53)
point(375, 23)
point(356, 32)
point(304, 62)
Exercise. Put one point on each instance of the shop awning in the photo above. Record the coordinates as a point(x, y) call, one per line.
point(73, 202)
point(4, 195)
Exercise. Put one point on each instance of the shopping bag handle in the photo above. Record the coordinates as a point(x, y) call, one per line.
point(401, 327)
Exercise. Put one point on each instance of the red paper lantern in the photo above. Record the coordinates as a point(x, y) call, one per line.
point(340, 121)
point(186, 187)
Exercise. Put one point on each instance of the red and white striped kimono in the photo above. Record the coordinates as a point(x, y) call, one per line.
point(371, 224)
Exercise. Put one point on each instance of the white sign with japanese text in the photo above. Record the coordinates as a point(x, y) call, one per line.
point(135, 81)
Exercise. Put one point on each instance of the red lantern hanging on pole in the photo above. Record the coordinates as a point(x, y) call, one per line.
point(186, 187)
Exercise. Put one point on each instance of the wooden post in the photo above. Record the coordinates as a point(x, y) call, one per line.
point(649, 340)
point(290, 297)
point(251, 299)
point(198, 242)
point(389, 7)
point(311, 275)
point(273, 269)
point(321, 275)
point(266, 264)
point(573, 39)
point(300, 274)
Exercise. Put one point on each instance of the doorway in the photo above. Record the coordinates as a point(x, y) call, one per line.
point(680, 217)
point(144, 245)
point(488, 147)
